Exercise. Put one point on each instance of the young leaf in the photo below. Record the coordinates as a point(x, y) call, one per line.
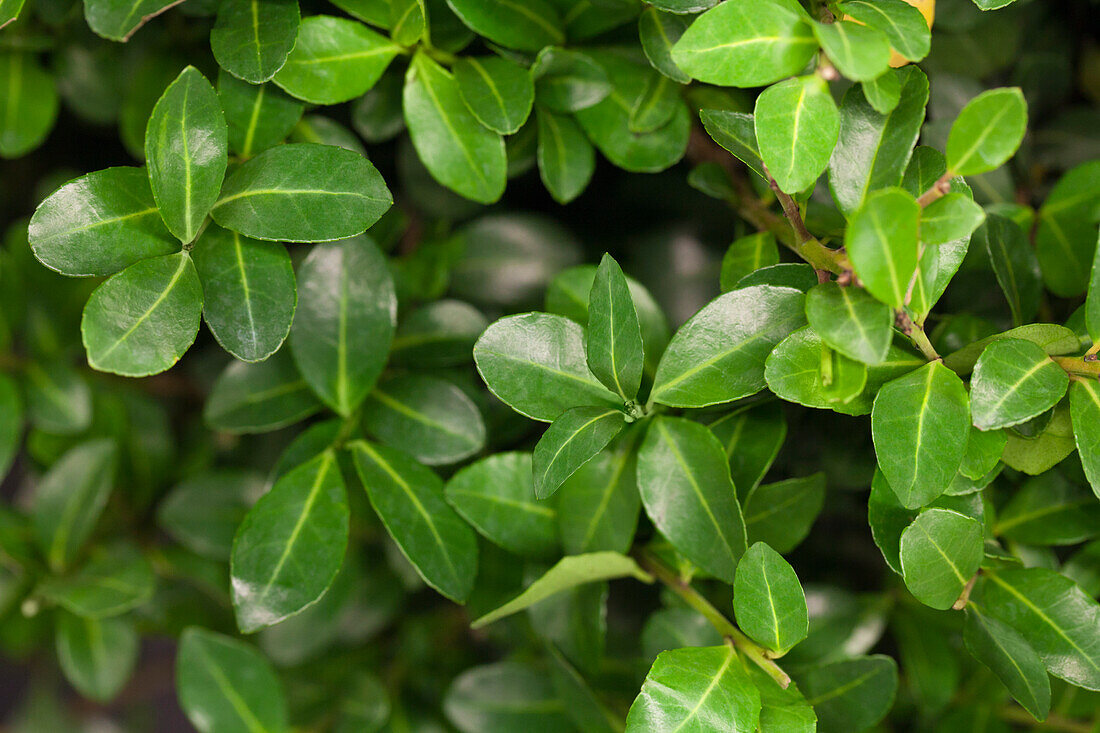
point(1009, 656)
point(797, 124)
point(118, 20)
point(901, 22)
point(409, 500)
point(186, 145)
point(344, 325)
point(1014, 381)
point(883, 93)
point(573, 439)
point(851, 321)
point(526, 26)
point(568, 81)
point(1015, 265)
point(598, 505)
point(659, 31)
point(683, 477)
point(334, 60)
point(143, 319)
point(70, 498)
point(782, 513)
point(455, 148)
point(614, 336)
point(225, 684)
point(535, 363)
point(496, 495)
point(251, 39)
point(428, 417)
point(1053, 615)
point(882, 241)
point(566, 158)
point(116, 579)
point(290, 545)
point(303, 193)
point(257, 398)
point(26, 118)
point(99, 224)
point(259, 116)
point(873, 148)
point(745, 43)
point(745, 256)
point(860, 52)
point(569, 572)
point(940, 550)
point(497, 91)
point(920, 424)
point(850, 695)
point(506, 696)
point(696, 689)
point(96, 655)
point(1084, 402)
point(249, 289)
point(954, 216)
point(768, 599)
point(987, 132)
point(718, 355)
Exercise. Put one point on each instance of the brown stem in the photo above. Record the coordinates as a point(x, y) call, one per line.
point(916, 334)
point(938, 189)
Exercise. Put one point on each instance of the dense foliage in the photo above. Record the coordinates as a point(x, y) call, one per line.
point(844, 476)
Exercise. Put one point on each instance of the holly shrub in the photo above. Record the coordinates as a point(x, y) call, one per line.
point(491, 428)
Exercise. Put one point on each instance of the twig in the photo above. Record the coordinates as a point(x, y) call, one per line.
point(1079, 366)
point(964, 597)
point(941, 187)
point(916, 334)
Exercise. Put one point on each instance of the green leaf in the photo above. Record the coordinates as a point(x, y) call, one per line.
point(11, 423)
point(1066, 236)
point(27, 118)
point(567, 80)
point(987, 132)
point(696, 689)
point(455, 148)
point(940, 550)
point(920, 424)
point(583, 708)
point(259, 116)
point(1035, 455)
point(290, 545)
point(745, 256)
point(535, 363)
point(887, 519)
point(860, 52)
point(1014, 264)
point(58, 399)
point(574, 438)
point(1084, 403)
point(251, 39)
point(1051, 338)
point(426, 416)
point(249, 289)
point(657, 104)
point(736, 132)
point(498, 92)
point(901, 22)
point(9, 11)
point(334, 60)
point(438, 334)
point(116, 579)
point(782, 513)
point(569, 572)
point(882, 242)
point(783, 710)
point(96, 655)
point(874, 148)
point(99, 224)
point(409, 499)
point(186, 145)
point(1092, 301)
point(744, 43)
point(345, 322)
point(1049, 510)
point(142, 320)
point(203, 511)
point(1053, 615)
point(684, 7)
point(614, 336)
point(850, 695)
point(683, 477)
point(751, 437)
point(935, 269)
point(598, 505)
point(674, 628)
point(408, 21)
point(951, 217)
point(768, 600)
point(526, 26)
point(119, 20)
point(983, 452)
point(225, 684)
point(70, 498)
point(1011, 658)
point(257, 398)
point(303, 193)
point(496, 496)
point(659, 31)
point(506, 696)
point(566, 158)
point(883, 93)
point(797, 124)
point(851, 321)
point(718, 355)
point(1013, 381)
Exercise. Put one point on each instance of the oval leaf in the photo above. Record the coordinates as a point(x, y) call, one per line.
point(573, 439)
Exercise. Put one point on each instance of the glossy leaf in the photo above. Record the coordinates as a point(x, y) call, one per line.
point(1049, 510)
point(290, 545)
point(259, 116)
point(782, 513)
point(659, 31)
point(920, 424)
point(96, 655)
point(851, 321)
point(573, 439)
point(850, 695)
point(751, 437)
point(951, 217)
point(566, 158)
point(768, 599)
point(142, 320)
point(526, 26)
point(614, 336)
point(747, 255)
point(251, 39)
point(1011, 658)
point(568, 80)
point(860, 52)
point(797, 124)
point(1084, 401)
point(257, 398)
point(408, 21)
point(426, 416)
point(736, 132)
point(303, 193)
point(345, 323)
point(118, 20)
point(598, 505)
point(1014, 381)
point(498, 92)
point(987, 132)
point(1014, 264)
point(1051, 338)
point(901, 22)
point(683, 477)
point(940, 551)
point(409, 500)
point(882, 241)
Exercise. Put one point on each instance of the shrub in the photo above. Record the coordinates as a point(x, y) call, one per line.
point(431, 467)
